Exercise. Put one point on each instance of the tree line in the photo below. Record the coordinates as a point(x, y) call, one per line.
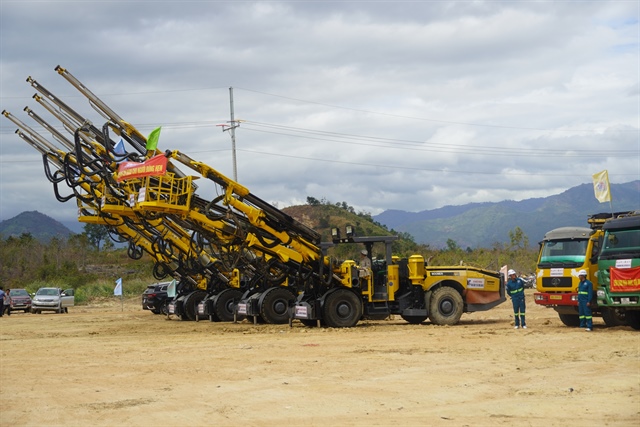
point(516, 254)
point(91, 257)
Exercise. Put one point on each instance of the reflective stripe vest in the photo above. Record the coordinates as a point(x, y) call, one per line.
point(585, 291)
point(515, 288)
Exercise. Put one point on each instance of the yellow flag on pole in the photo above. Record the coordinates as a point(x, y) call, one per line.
point(601, 186)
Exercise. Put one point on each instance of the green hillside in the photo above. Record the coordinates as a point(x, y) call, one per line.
point(40, 226)
point(323, 217)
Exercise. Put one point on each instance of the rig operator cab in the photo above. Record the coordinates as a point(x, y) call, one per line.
point(405, 287)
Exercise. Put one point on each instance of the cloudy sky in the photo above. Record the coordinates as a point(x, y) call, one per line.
point(408, 105)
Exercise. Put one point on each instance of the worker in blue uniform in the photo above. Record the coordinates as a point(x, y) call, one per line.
point(585, 295)
point(515, 289)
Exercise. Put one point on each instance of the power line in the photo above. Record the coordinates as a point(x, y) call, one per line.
point(375, 165)
point(425, 119)
point(396, 144)
point(466, 172)
point(365, 140)
point(427, 146)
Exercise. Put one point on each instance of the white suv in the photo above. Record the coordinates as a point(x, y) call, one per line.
point(52, 299)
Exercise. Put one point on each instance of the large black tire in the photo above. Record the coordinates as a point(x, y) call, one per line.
point(571, 320)
point(613, 316)
point(224, 307)
point(414, 320)
point(446, 306)
point(342, 309)
point(213, 317)
point(190, 304)
point(633, 319)
point(275, 305)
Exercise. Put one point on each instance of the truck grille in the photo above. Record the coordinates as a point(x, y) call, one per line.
point(556, 282)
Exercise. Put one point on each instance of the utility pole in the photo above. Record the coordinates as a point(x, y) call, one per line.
point(233, 124)
point(232, 129)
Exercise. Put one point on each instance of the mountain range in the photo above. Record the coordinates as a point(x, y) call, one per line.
point(472, 225)
point(483, 224)
point(40, 226)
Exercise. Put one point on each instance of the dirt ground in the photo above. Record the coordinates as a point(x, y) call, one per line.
point(117, 365)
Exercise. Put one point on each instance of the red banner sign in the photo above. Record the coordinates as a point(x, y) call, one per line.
point(157, 165)
point(625, 279)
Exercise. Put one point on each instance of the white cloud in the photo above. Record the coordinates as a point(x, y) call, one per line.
point(383, 105)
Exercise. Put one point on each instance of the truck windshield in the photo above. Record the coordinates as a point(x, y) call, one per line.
point(621, 243)
point(564, 251)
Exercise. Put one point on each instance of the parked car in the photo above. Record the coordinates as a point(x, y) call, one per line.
point(529, 281)
point(19, 299)
point(52, 299)
point(155, 298)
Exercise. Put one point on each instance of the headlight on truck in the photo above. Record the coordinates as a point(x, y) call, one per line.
point(600, 293)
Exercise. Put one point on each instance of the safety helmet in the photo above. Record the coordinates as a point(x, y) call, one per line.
point(582, 273)
point(364, 252)
point(510, 272)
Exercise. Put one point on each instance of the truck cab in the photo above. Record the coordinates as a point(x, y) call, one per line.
point(563, 252)
point(619, 268)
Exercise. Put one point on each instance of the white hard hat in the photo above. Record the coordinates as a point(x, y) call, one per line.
point(510, 272)
point(364, 252)
point(582, 273)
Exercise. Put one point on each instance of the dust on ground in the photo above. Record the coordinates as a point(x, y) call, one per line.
point(113, 364)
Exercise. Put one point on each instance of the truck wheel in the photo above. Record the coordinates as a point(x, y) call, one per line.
point(342, 309)
point(613, 317)
point(275, 305)
point(571, 320)
point(446, 306)
point(224, 306)
point(633, 319)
